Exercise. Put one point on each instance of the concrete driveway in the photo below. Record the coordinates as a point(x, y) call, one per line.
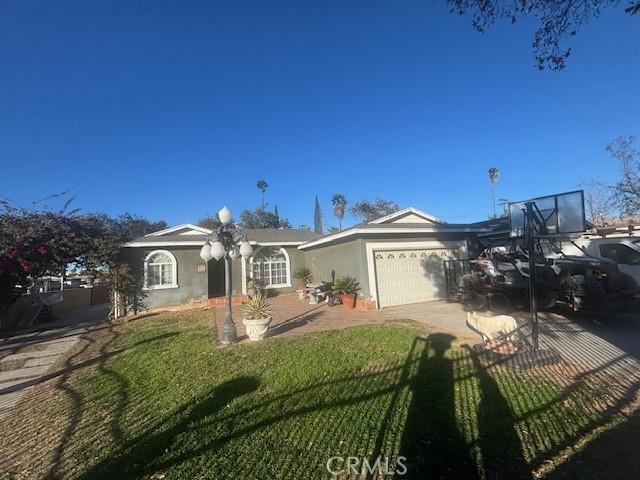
point(604, 342)
point(608, 343)
point(439, 315)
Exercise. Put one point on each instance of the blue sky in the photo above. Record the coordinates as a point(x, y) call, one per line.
point(171, 110)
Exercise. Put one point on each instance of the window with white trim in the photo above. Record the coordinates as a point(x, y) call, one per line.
point(270, 267)
point(160, 270)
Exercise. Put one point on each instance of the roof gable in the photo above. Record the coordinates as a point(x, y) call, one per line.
point(183, 229)
point(408, 215)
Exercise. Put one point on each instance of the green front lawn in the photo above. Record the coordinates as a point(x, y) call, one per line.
point(163, 402)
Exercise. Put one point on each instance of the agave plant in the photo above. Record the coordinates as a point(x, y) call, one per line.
point(345, 285)
point(304, 274)
point(257, 307)
point(253, 287)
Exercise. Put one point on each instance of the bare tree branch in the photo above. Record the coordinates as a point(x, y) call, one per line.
point(559, 19)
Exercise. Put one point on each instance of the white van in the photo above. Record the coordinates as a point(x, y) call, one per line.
point(625, 251)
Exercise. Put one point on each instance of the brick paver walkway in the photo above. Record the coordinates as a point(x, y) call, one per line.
point(296, 317)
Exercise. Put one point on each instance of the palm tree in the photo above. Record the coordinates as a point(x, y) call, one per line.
point(339, 206)
point(494, 174)
point(262, 186)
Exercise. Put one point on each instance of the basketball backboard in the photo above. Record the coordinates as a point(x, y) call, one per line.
point(562, 214)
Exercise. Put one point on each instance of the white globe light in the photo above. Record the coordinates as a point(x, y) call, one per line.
point(225, 216)
point(205, 252)
point(245, 249)
point(217, 250)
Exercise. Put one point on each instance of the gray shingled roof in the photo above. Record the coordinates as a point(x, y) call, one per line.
point(393, 227)
point(259, 235)
point(281, 235)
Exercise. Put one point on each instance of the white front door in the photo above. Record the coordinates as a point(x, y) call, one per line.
point(411, 275)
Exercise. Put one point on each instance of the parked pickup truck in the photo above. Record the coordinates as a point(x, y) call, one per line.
point(625, 251)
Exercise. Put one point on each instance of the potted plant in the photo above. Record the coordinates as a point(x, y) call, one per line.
point(253, 287)
point(257, 317)
point(304, 274)
point(346, 287)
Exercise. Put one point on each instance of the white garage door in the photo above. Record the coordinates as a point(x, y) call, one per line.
point(409, 276)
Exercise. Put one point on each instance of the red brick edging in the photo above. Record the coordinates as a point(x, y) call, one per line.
point(366, 305)
point(235, 300)
point(361, 304)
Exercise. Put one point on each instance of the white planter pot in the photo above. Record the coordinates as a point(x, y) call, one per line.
point(300, 294)
point(256, 329)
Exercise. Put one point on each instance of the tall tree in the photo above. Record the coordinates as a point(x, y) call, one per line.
point(317, 218)
point(339, 203)
point(368, 211)
point(131, 226)
point(262, 186)
point(626, 192)
point(212, 222)
point(559, 20)
point(275, 211)
point(494, 174)
point(598, 204)
point(261, 218)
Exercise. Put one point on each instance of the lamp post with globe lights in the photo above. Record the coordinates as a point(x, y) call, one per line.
point(228, 242)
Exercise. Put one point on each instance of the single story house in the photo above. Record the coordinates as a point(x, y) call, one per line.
point(397, 259)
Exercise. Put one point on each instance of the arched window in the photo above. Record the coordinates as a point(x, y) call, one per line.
point(270, 266)
point(160, 270)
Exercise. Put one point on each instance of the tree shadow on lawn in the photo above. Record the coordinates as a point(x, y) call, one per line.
point(122, 389)
point(23, 432)
point(464, 418)
point(139, 458)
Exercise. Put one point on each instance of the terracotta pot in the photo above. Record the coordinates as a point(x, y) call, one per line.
point(348, 300)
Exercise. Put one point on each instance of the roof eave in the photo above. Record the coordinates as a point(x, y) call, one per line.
point(199, 243)
point(387, 231)
point(175, 228)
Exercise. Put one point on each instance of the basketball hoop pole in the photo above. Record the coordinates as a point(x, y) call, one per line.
point(530, 238)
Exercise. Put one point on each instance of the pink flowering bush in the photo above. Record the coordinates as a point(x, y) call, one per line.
point(34, 243)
